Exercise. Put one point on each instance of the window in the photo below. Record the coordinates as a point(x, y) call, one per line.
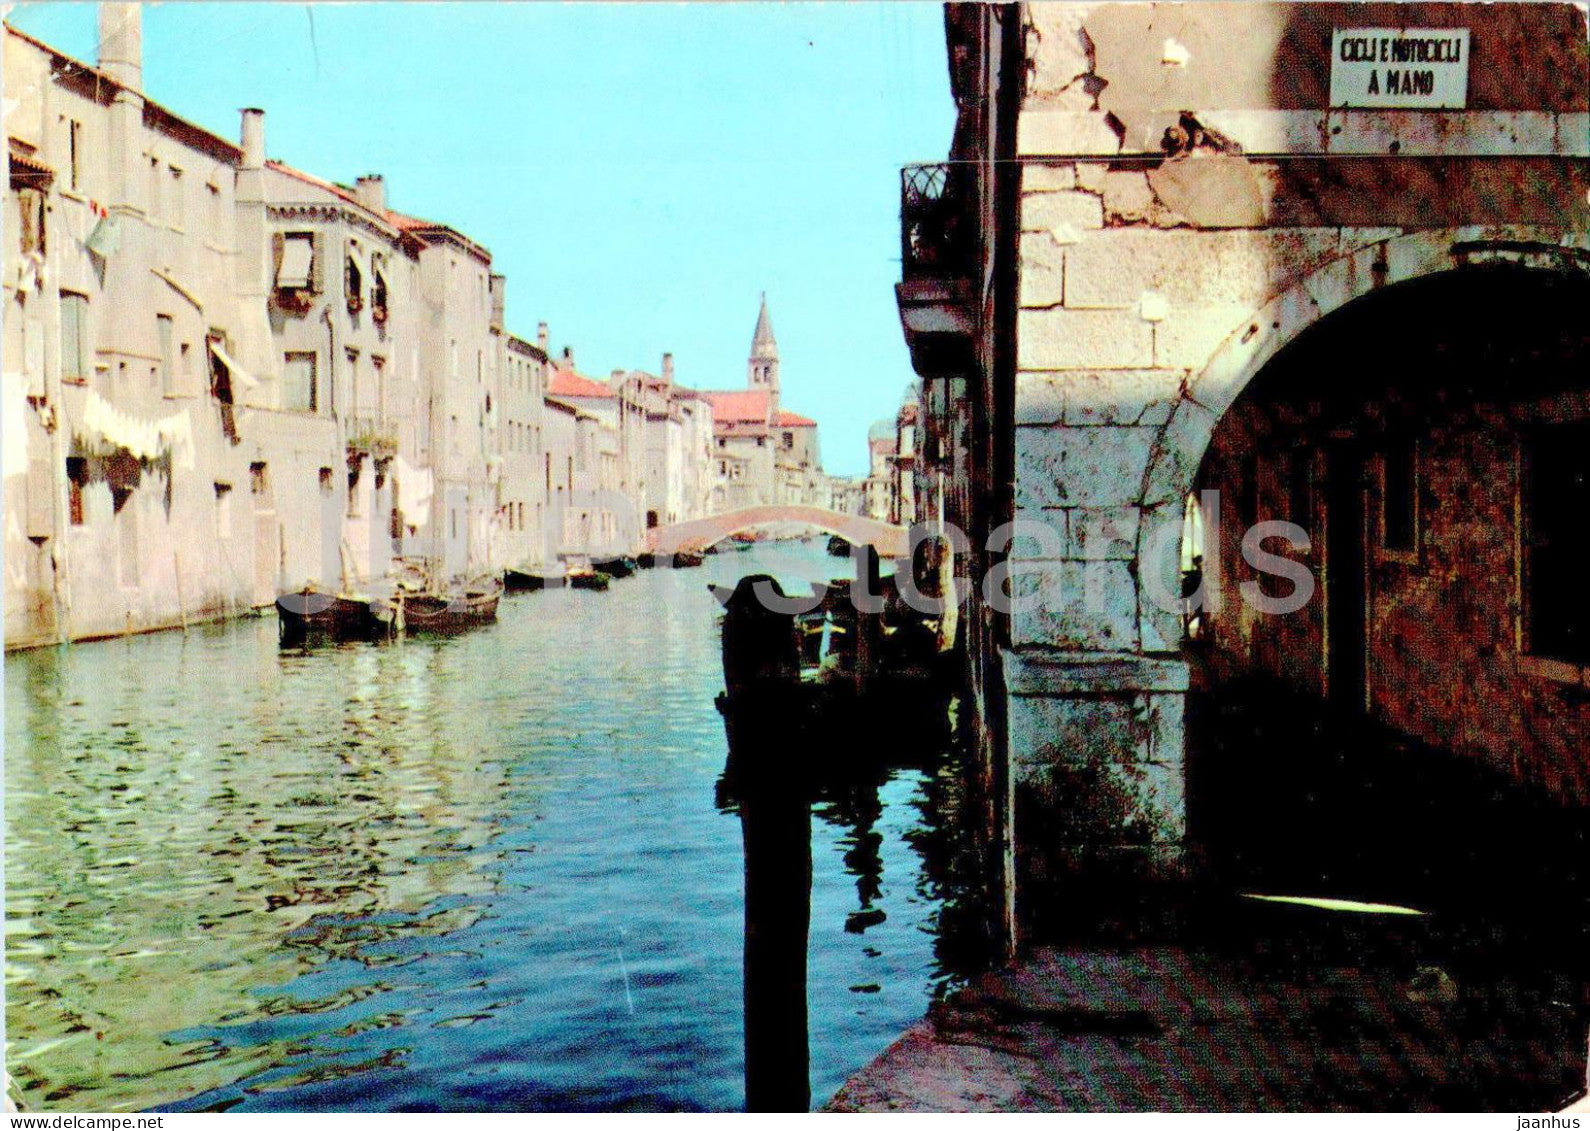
point(377, 289)
point(74, 337)
point(177, 215)
point(354, 279)
point(31, 204)
point(168, 372)
point(299, 384)
point(789, 441)
point(325, 480)
point(127, 538)
point(74, 152)
point(76, 479)
point(352, 356)
point(1556, 491)
point(185, 355)
point(379, 364)
point(213, 197)
point(156, 207)
point(223, 510)
point(1399, 495)
point(353, 491)
point(258, 479)
point(296, 269)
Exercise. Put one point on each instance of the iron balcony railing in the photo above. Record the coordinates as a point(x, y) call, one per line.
point(938, 220)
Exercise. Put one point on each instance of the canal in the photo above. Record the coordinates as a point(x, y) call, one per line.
point(480, 873)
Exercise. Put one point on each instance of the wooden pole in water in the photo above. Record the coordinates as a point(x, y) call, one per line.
point(776, 823)
point(182, 605)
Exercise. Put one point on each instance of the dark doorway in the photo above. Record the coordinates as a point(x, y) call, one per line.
point(651, 519)
point(1345, 663)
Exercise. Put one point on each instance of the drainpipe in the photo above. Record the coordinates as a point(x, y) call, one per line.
point(56, 425)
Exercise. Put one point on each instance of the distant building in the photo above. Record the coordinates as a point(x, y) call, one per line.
point(228, 378)
point(765, 455)
point(880, 485)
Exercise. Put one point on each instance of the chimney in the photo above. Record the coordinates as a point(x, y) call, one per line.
point(668, 369)
point(543, 336)
point(568, 357)
point(121, 44)
point(253, 138)
point(371, 191)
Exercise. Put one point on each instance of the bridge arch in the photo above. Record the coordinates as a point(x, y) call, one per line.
point(697, 534)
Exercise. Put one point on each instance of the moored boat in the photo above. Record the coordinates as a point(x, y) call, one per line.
point(467, 606)
point(838, 547)
point(588, 579)
point(619, 568)
point(688, 559)
point(311, 613)
point(526, 580)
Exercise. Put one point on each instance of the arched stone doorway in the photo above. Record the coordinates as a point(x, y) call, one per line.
point(1416, 732)
point(1431, 441)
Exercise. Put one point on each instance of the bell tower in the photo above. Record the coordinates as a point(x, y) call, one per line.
point(762, 368)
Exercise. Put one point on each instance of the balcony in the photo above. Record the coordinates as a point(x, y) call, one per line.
point(367, 435)
point(940, 263)
point(938, 221)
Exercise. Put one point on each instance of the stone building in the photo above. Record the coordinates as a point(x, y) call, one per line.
point(336, 348)
point(523, 379)
point(227, 377)
point(676, 424)
point(458, 351)
point(903, 464)
point(139, 450)
point(1338, 289)
point(595, 508)
point(878, 489)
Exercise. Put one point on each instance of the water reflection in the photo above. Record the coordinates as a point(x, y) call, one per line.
point(464, 874)
point(795, 752)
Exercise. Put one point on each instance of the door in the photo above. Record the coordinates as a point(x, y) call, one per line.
point(266, 557)
point(1346, 661)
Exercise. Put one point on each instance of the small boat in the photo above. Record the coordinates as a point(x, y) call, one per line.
point(525, 580)
point(588, 579)
point(688, 559)
point(646, 560)
point(838, 547)
point(468, 606)
point(616, 567)
point(312, 613)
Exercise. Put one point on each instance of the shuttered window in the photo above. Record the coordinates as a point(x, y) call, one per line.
point(74, 337)
point(298, 261)
point(299, 392)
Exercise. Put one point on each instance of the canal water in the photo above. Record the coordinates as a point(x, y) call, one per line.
point(478, 873)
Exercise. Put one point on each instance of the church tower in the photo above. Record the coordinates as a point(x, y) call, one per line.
point(762, 368)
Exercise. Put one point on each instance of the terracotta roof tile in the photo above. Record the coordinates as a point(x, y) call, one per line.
point(567, 383)
point(740, 406)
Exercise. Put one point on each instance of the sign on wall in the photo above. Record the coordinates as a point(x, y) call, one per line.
point(1406, 68)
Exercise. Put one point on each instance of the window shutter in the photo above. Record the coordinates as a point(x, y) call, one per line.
point(317, 269)
point(278, 248)
point(41, 499)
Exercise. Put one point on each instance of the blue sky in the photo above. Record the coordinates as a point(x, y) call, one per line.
point(640, 172)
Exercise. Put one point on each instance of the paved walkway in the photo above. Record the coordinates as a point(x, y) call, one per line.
point(1164, 1029)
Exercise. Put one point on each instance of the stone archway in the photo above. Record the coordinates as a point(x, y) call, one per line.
point(1183, 441)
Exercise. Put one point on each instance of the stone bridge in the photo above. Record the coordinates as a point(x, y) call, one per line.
point(698, 534)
